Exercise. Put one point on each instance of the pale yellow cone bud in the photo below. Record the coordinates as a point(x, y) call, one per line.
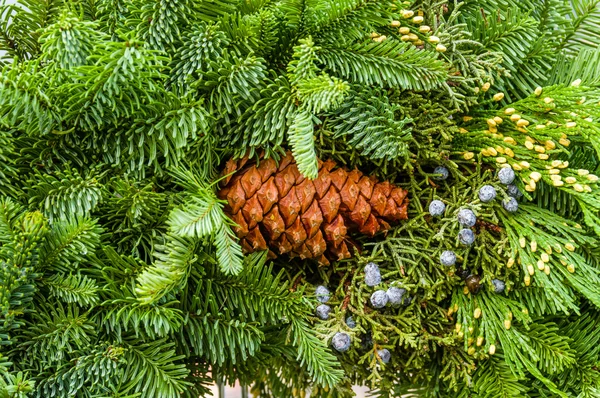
point(405, 38)
point(530, 269)
point(570, 180)
point(440, 48)
point(471, 350)
point(407, 13)
point(533, 245)
point(395, 24)
point(540, 265)
point(576, 83)
point(498, 96)
point(522, 122)
point(548, 100)
point(545, 257)
point(522, 242)
point(486, 86)
point(592, 177)
point(529, 145)
point(418, 19)
point(498, 119)
point(527, 280)
point(477, 313)
point(515, 117)
point(492, 349)
point(434, 39)
point(571, 268)
point(507, 324)
point(413, 37)
point(510, 262)
point(424, 29)
point(468, 155)
point(538, 91)
point(570, 247)
point(578, 187)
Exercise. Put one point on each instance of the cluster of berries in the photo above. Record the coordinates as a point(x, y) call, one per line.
point(341, 341)
point(467, 219)
point(394, 296)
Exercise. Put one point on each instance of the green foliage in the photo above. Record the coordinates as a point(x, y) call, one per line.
point(121, 274)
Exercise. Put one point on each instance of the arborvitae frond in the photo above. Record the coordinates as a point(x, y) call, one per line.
point(169, 271)
point(387, 64)
point(124, 74)
point(24, 106)
point(73, 288)
point(65, 193)
point(494, 378)
point(54, 333)
point(553, 350)
point(301, 138)
point(348, 20)
point(371, 125)
point(89, 373)
point(69, 243)
point(160, 22)
point(9, 215)
point(123, 315)
point(212, 336)
point(267, 121)
point(203, 44)
point(227, 82)
point(153, 370)
point(585, 20)
point(68, 42)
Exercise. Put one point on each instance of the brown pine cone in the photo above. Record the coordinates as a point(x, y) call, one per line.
point(276, 208)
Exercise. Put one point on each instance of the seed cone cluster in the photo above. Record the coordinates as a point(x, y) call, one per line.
point(276, 208)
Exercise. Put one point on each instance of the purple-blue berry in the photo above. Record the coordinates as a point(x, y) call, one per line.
point(506, 175)
point(350, 322)
point(322, 294)
point(385, 355)
point(372, 274)
point(395, 295)
point(487, 193)
point(341, 342)
point(510, 204)
point(466, 236)
point(498, 285)
point(448, 258)
point(514, 191)
point(466, 217)
point(442, 173)
point(323, 311)
point(379, 299)
point(437, 208)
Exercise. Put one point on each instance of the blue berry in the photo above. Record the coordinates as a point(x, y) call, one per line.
point(341, 342)
point(466, 236)
point(322, 294)
point(443, 173)
point(379, 299)
point(514, 191)
point(385, 355)
point(407, 301)
point(448, 258)
point(487, 193)
point(437, 208)
point(372, 274)
point(498, 285)
point(510, 204)
point(466, 217)
point(350, 322)
point(506, 175)
point(395, 295)
point(323, 311)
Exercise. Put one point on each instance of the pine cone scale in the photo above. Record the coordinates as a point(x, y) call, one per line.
point(276, 207)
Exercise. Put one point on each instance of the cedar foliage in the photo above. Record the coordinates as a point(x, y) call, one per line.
point(120, 273)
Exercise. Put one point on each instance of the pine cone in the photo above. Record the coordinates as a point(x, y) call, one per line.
point(276, 207)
